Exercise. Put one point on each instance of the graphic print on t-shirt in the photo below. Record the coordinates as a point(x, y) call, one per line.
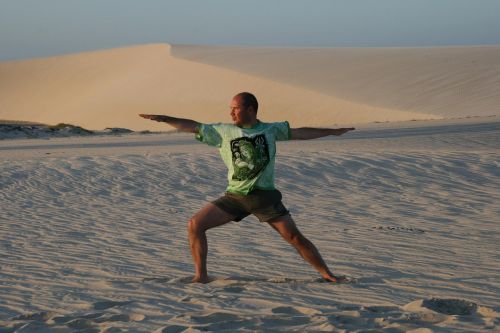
point(250, 156)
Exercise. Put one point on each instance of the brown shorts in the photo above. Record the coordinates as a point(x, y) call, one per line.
point(266, 205)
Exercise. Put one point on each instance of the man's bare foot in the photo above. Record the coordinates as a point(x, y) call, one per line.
point(336, 279)
point(198, 279)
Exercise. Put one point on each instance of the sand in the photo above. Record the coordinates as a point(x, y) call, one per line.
point(93, 229)
point(446, 82)
point(93, 234)
point(308, 87)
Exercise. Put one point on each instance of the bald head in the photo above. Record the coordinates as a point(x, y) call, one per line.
point(247, 99)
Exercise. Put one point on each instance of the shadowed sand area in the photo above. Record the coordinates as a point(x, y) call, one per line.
point(93, 235)
point(442, 81)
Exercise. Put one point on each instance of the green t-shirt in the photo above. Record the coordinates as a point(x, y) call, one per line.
point(248, 153)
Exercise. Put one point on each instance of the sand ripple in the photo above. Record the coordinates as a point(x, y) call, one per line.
point(97, 243)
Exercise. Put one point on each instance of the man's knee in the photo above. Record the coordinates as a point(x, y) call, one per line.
point(195, 226)
point(295, 238)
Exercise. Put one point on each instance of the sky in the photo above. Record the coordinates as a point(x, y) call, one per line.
point(40, 28)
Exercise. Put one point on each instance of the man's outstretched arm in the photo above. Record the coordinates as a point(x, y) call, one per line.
point(307, 133)
point(184, 125)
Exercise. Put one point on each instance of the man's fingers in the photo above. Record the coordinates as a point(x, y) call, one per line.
point(148, 116)
point(341, 131)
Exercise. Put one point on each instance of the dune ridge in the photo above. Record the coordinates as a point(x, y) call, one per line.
point(308, 87)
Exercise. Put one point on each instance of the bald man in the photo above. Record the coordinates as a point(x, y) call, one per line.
point(248, 149)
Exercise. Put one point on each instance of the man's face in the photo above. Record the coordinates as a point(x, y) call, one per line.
point(239, 113)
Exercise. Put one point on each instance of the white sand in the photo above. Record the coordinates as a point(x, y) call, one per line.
point(93, 235)
point(93, 229)
point(306, 86)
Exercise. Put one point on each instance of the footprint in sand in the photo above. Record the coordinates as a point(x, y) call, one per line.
point(450, 306)
point(438, 310)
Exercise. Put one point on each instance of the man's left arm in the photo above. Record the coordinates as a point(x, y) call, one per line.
point(307, 133)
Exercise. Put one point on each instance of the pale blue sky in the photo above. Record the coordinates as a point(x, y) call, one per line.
point(37, 28)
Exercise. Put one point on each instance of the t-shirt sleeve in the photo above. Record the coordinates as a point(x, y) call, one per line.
point(282, 131)
point(209, 134)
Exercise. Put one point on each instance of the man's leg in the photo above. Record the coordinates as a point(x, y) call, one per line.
point(289, 231)
point(208, 217)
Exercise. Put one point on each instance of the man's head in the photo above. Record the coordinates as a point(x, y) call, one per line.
point(244, 108)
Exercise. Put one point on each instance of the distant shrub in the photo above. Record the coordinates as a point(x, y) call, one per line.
point(70, 128)
point(118, 130)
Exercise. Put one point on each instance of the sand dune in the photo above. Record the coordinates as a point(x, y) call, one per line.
point(443, 81)
point(93, 235)
point(305, 86)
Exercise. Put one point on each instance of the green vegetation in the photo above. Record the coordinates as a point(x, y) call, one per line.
point(62, 126)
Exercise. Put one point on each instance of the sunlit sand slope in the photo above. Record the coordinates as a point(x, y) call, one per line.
point(109, 88)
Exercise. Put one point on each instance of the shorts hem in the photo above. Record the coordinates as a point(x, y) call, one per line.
point(270, 220)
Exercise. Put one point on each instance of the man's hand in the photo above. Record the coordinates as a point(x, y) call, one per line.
point(184, 125)
point(308, 133)
point(340, 131)
point(154, 117)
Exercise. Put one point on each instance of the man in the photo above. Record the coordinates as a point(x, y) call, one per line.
point(248, 148)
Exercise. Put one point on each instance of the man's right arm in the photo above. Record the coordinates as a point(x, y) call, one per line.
point(184, 125)
point(307, 133)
